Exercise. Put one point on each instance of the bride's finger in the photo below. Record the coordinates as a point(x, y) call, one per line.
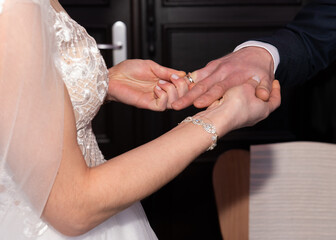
point(180, 84)
point(164, 72)
point(190, 79)
point(161, 99)
point(171, 91)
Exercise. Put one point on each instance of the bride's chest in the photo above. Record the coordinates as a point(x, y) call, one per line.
point(81, 67)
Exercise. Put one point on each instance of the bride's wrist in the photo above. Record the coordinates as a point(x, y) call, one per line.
point(207, 127)
point(221, 122)
point(110, 96)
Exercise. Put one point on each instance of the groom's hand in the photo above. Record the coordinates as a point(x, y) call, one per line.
point(221, 74)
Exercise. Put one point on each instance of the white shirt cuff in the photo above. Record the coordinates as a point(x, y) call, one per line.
point(270, 48)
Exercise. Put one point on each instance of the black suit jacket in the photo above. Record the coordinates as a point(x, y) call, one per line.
point(307, 44)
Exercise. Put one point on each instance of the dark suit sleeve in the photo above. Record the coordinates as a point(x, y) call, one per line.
point(307, 44)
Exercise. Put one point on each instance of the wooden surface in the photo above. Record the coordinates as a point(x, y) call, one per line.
point(231, 186)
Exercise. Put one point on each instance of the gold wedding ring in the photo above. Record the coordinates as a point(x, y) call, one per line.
point(190, 78)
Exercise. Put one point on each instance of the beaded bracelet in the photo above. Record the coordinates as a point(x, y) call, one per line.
point(207, 127)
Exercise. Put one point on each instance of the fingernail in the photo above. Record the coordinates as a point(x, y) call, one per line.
point(158, 88)
point(162, 81)
point(174, 76)
point(257, 78)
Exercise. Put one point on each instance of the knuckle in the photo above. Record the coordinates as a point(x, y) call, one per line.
point(218, 88)
point(161, 107)
point(171, 88)
point(179, 83)
point(213, 62)
point(147, 61)
point(202, 87)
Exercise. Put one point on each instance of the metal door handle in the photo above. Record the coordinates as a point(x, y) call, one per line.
point(103, 46)
point(119, 43)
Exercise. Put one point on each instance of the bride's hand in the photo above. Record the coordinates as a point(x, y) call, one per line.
point(144, 84)
point(240, 107)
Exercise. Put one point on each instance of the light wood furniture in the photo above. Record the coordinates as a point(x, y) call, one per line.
point(231, 177)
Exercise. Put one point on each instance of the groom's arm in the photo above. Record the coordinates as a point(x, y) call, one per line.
point(307, 44)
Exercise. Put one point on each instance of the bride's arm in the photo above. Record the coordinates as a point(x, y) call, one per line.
point(82, 197)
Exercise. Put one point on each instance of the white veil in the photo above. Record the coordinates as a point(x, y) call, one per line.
point(31, 113)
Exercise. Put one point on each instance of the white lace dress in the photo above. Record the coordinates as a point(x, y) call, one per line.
point(84, 72)
point(85, 75)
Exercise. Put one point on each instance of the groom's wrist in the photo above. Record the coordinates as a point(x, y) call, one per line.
point(273, 51)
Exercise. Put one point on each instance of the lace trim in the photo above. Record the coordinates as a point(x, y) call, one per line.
point(86, 77)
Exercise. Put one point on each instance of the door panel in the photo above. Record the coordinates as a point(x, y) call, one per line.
point(190, 46)
point(224, 2)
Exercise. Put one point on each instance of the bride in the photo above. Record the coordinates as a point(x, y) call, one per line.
point(54, 181)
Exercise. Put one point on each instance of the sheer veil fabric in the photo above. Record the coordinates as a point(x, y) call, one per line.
point(31, 117)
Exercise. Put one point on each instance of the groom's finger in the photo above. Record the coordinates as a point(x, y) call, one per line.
point(204, 92)
point(188, 99)
point(215, 92)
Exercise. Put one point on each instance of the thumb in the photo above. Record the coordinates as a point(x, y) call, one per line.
point(264, 89)
point(164, 72)
point(254, 81)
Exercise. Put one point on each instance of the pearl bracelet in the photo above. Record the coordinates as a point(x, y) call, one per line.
point(207, 127)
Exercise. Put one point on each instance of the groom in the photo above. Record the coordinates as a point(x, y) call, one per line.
point(295, 53)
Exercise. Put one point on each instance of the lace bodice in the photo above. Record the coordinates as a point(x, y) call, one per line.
point(84, 72)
